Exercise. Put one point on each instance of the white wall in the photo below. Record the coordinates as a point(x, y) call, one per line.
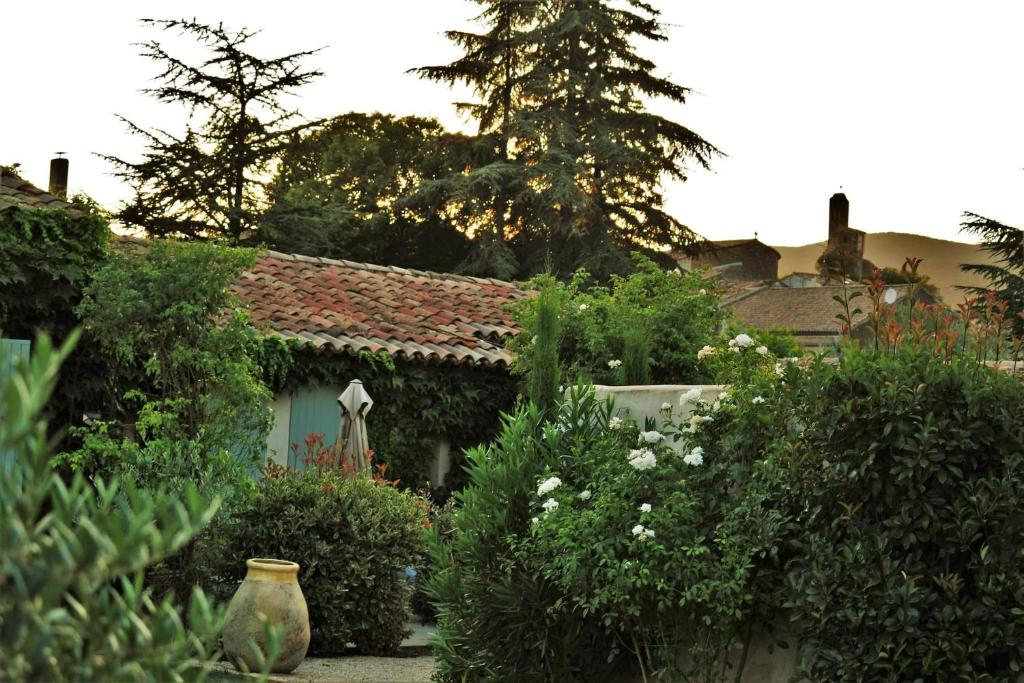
point(643, 401)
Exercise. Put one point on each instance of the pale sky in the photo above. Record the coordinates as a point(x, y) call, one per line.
point(914, 107)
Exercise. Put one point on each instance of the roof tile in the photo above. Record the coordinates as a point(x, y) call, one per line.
point(351, 306)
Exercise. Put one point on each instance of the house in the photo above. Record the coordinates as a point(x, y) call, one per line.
point(18, 192)
point(810, 312)
point(735, 260)
point(451, 325)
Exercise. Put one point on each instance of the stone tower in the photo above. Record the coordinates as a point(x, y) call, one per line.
point(844, 240)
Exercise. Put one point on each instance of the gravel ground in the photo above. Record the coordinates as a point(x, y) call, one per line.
point(355, 669)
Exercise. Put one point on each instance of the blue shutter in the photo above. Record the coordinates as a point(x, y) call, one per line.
point(314, 410)
point(10, 351)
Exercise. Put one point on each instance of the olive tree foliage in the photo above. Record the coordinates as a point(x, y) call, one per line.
point(72, 554)
point(208, 182)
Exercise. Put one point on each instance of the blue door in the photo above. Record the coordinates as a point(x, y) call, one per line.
point(10, 351)
point(314, 411)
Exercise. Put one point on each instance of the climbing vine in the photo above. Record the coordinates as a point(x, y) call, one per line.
point(415, 403)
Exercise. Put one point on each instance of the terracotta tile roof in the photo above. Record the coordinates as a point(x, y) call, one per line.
point(347, 306)
point(802, 310)
point(16, 192)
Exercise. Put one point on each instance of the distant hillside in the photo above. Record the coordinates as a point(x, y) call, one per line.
point(942, 259)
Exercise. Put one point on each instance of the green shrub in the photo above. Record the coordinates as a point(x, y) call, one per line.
point(352, 538)
point(910, 480)
point(72, 605)
point(182, 379)
point(648, 325)
point(499, 617)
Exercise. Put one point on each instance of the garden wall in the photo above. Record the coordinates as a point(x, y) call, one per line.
point(766, 662)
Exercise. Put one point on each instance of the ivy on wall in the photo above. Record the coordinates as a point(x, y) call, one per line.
point(415, 403)
point(47, 256)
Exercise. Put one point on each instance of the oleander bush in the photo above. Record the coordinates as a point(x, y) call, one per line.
point(352, 536)
point(642, 328)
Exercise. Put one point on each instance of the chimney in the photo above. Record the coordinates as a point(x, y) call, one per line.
point(59, 176)
point(838, 217)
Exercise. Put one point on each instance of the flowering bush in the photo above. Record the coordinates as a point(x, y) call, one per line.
point(606, 544)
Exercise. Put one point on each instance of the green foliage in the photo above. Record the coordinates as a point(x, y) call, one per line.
point(909, 479)
point(662, 315)
point(499, 618)
point(568, 163)
point(46, 260)
point(72, 605)
point(873, 504)
point(170, 328)
point(1006, 277)
point(340, 192)
point(208, 183)
point(352, 538)
point(415, 405)
point(544, 377)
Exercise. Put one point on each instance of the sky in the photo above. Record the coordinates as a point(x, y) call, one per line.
point(913, 107)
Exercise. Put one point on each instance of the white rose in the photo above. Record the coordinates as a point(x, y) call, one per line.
point(550, 504)
point(548, 485)
point(695, 457)
point(646, 507)
point(651, 437)
point(743, 340)
point(690, 396)
point(585, 495)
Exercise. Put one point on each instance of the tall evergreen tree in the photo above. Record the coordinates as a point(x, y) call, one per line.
point(1006, 276)
point(587, 156)
point(483, 194)
point(208, 182)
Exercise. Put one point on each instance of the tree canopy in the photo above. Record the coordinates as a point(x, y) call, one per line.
point(1005, 277)
point(339, 192)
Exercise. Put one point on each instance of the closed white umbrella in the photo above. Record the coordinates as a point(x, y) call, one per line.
point(355, 404)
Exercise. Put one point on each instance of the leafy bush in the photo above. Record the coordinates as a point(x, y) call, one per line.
point(352, 538)
point(653, 318)
point(72, 605)
point(911, 469)
point(499, 618)
point(180, 370)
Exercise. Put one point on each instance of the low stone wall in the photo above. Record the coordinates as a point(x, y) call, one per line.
point(645, 401)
